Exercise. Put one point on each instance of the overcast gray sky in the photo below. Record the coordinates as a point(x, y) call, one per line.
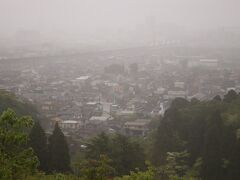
point(85, 15)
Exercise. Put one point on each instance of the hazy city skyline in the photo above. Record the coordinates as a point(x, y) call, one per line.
point(84, 16)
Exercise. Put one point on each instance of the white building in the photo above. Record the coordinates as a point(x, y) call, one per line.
point(207, 63)
point(70, 124)
point(176, 94)
point(80, 80)
point(100, 119)
point(179, 85)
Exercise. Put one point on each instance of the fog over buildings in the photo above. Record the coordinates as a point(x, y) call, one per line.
point(78, 20)
point(144, 89)
point(114, 65)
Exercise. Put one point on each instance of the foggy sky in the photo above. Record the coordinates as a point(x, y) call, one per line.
point(80, 16)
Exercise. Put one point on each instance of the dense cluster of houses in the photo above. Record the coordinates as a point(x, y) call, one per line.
point(85, 98)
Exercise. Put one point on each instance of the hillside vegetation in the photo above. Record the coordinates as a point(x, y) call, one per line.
point(20, 106)
point(194, 140)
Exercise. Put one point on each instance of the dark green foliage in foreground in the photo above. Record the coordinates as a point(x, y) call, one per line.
point(59, 152)
point(212, 148)
point(230, 96)
point(38, 141)
point(16, 161)
point(194, 140)
point(56, 176)
point(95, 169)
point(150, 174)
point(207, 131)
point(126, 155)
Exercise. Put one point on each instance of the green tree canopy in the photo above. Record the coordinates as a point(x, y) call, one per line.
point(126, 155)
point(230, 96)
point(38, 141)
point(209, 131)
point(100, 169)
point(21, 107)
point(16, 160)
point(59, 152)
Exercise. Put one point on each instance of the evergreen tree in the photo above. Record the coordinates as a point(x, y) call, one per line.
point(179, 103)
point(125, 153)
point(167, 137)
point(217, 98)
point(38, 141)
point(212, 167)
point(234, 172)
point(95, 169)
point(230, 96)
point(58, 150)
point(99, 145)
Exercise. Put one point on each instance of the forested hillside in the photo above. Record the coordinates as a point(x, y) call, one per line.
point(21, 107)
point(200, 139)
point(194, 140)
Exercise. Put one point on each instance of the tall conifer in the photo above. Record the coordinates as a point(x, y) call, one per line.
point(59, 152)
point(38, 141)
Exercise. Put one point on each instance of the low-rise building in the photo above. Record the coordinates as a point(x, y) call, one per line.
point(70, 125)
point(139, 127)
point(177, 94)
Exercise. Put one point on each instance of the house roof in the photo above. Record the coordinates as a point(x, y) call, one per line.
point(99, 118)
point(141, 122)
point(70, 122)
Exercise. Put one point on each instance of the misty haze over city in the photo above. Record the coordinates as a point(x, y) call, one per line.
point(120, 89)
point(111, 21)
